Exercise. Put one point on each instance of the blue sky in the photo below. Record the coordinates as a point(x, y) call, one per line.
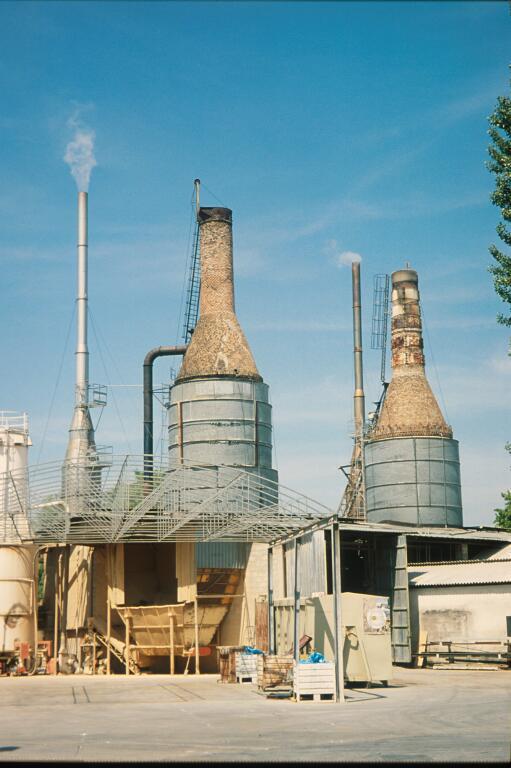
point(326, 127)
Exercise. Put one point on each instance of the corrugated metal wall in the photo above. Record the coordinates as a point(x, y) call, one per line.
point(213, 554)
point(222, 422)
point(413, 480)
point(311, 568)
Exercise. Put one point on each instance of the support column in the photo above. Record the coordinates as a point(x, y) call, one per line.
point(296, 611)
point(196, 619)
point(108, 634)
point(337, 601)
point(172, 659)
point(127, 648)
point(271, 611)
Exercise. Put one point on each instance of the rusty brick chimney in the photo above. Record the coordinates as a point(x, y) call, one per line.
point(410, 407)
point(218, 346)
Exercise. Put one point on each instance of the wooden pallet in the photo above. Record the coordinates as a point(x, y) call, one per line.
point(247, 679)
point(315, 697)
point(314, 682)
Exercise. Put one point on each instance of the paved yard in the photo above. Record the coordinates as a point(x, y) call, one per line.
point(425, 715)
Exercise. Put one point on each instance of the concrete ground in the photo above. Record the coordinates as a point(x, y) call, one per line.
point(425, 715)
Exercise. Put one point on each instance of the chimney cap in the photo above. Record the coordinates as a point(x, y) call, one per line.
point(405, 276)
point(215, 214)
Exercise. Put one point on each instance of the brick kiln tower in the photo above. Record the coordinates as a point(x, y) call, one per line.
point(412, 468)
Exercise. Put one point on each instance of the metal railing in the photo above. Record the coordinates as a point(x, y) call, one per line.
point(130, 499)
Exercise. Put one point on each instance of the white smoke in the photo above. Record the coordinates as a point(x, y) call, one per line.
point(346, 258)
point(79, 153)
point(341, 258)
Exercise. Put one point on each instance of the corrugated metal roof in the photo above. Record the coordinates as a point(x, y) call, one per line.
point(462, 573)
point(478, 534)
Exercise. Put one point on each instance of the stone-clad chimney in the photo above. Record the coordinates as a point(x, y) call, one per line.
point(410, 407)
point(218, 346)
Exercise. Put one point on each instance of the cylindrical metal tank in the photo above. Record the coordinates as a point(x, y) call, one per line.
point(17, 597)
point(222, 421)
point(17, 564)
point(413, 480)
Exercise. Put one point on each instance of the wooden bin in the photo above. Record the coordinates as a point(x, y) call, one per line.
point(273, 670)
point(227, 662)
point(246, 667)
point(314, 682)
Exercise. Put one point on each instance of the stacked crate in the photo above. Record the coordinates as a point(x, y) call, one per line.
point(246, 667)
point(314, 682)
point(273, 670)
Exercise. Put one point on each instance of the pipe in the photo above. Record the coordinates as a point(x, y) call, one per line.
point(81, 433)
point(82, 352)
point(358, 398)
point(196, 184)
point(149, 359)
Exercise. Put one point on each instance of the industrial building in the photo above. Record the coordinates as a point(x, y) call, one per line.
point(153, 565)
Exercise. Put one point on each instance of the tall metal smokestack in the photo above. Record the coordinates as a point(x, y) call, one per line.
point(412, 467)
point(359, 399)
point(352, 502)
point(81, 432)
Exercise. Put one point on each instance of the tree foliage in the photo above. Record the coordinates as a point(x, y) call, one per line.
point(500, 165)
point(503, 516)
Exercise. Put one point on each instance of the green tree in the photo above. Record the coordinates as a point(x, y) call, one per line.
point(500, 165)
point(503, 516)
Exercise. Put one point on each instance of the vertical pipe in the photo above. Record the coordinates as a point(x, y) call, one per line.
point(359, 400)
point(82, 352)
point(337, 600)
point(148, 419)
point(196, 184)
point(56, 616)
point(271, 613)
point(148, 405)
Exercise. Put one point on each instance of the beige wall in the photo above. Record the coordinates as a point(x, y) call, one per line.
point(460, 613)
point(316, 620)
point(238, 627)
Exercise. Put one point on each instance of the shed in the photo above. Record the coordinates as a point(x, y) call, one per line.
point(465, 602)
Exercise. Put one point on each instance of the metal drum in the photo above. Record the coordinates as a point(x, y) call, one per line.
point(222, 421)
point(413, 480)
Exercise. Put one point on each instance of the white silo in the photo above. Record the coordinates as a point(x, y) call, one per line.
point(18, 590)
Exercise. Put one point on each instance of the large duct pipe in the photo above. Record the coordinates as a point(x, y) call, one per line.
point(358, 398)
point(148, 399)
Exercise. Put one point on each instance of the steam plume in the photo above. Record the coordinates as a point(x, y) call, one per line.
point(345, 258)
point(80, 151)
